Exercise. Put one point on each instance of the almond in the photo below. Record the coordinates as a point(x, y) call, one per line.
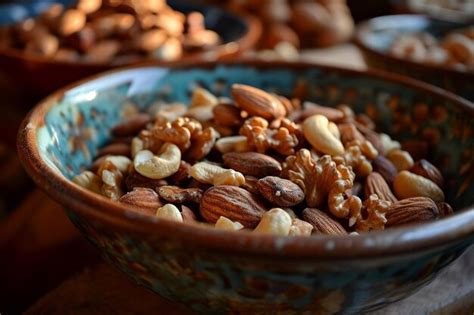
point(280, 192)
point(227, 115)
point(376, 184)
point(232, 202)
point(311, 109)
point(252, 163)
point(251, 184)
point(188, 214)
point(429, 171)
point(131, 126)
point(257, 102)
point(135, 179)
point(175, 194)
point(444, 209)
point(115, 149)
point(144, 198)
point(411, 210)
point(322, 223)
point(385, 167)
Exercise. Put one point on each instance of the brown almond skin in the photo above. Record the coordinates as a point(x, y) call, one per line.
point(135, 179)
point(310, 109)
point(232, 202)
point(188, 214)
point(280, 192)
point(131, 126)
point(429, 171)
point(178, 195)
point(385, 167)
point(114, 149)
point(322, 223)
point(257, 102)
point(251, 185)
point(411, 210)
point(144, 198)
point(376, 184)
point(252, 163)
point(227, 115)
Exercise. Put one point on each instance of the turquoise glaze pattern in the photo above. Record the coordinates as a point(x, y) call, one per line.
point(209, 282)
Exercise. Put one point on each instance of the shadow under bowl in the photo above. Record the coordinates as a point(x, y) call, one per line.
point(375, 37)
point(215, 271)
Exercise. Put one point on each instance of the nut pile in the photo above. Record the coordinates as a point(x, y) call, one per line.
point(110, 31)
point(309, 23)
point(267, 163)
point(456, 49)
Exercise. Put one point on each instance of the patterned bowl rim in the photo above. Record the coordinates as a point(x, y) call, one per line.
point(245, 42)
point(368, 26)
point(396, 241)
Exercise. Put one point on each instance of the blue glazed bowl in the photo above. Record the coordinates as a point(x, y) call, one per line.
point(213, 271)
point(375, 37)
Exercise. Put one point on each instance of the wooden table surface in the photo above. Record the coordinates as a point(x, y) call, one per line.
point(40, 250)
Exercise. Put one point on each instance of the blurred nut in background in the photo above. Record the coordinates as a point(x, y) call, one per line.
point(110, 32)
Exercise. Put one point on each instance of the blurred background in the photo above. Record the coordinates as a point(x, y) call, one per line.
point(45, 45)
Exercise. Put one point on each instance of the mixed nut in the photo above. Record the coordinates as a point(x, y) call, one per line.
point(309, 23)
point(110, 31)
point(455, 50)
point(267, 163)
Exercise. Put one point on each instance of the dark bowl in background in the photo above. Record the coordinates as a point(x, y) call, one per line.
point(375, 36)
point(34, 77)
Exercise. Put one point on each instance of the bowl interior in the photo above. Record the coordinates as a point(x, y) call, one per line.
point(381, 32)
point(78, 120)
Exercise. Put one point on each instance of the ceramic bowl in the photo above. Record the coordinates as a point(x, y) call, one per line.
point(375, 36)
point(214, 271)
point(39, 76)
point(433, 10)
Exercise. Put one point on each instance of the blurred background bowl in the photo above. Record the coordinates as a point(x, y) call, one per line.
point(215, 271)
point(375, 37)
point(454, 11)
point(34, 77)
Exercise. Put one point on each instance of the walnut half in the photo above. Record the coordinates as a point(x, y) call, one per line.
point(323, 180)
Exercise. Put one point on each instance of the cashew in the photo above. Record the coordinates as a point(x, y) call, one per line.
point(202, 97)
point(401, 159)
point(169, 212)
point(136, 146)
point(215, 175)
point(202, 103)
point(121, 162)
point(89, 181)
point(407, 185)
point(300, 228)
point(334, 129)
point(388, 144)
point(317, 131)
point(276, 221)
point(225, 224)
point(170, 112)
point(232, 144)
point(165, 164)
point(201, 113)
